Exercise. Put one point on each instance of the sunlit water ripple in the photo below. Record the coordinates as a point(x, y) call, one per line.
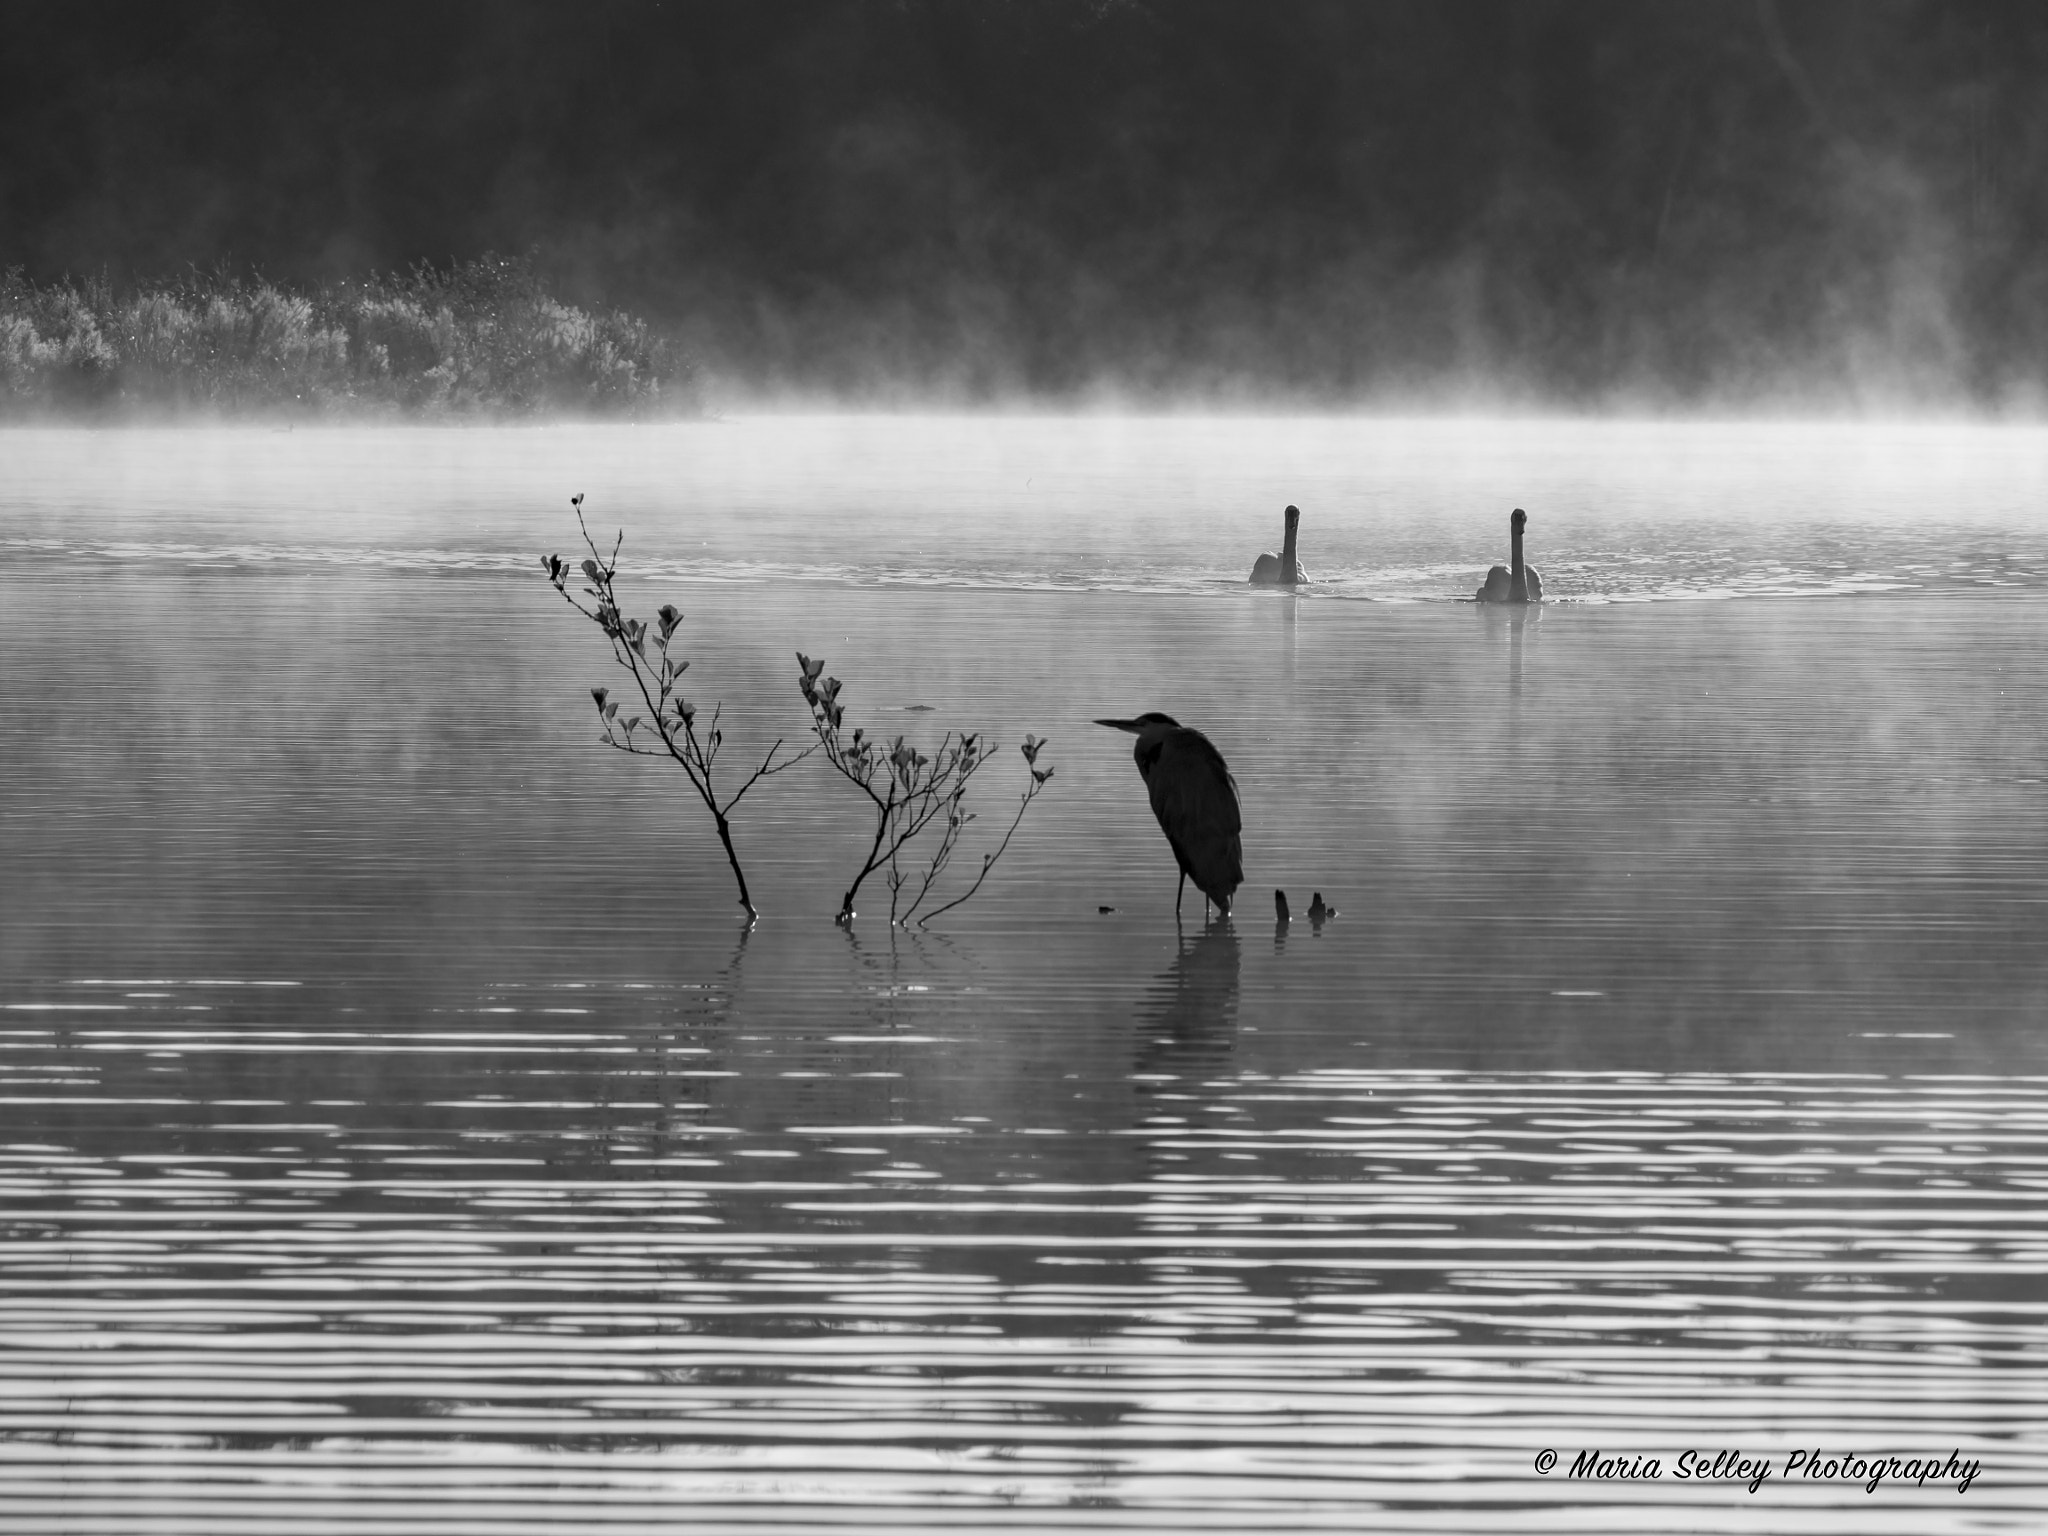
point(398, 1132)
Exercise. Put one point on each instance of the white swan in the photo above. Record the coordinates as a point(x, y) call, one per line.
point(1281, 570)
point(1522, 584)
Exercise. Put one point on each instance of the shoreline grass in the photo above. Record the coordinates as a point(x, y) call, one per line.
point(479, 339)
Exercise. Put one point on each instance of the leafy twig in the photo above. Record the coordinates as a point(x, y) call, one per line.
point(906, 791)
point(1039, 776)
point(671, 718)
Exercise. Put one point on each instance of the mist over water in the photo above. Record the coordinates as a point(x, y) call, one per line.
point(398, 1129)
point(1393, 509)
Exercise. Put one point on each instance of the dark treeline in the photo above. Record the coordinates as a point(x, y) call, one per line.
point(482, 337)
point(1672, 203)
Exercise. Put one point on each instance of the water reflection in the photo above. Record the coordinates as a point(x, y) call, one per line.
point(1187, 1018)
point(315, 1240)
point(400, 1133)
point(1511, 627)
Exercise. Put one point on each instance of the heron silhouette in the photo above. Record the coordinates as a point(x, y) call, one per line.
point(1281, 570)
point(1195, 799)
point(1519, 585)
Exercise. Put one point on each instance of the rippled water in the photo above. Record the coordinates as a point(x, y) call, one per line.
point(398, 1131)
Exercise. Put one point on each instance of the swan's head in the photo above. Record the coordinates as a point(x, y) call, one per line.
point(1518, 518)
point(1293, 518)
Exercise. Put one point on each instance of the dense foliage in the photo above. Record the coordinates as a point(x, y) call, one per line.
point(479, 338)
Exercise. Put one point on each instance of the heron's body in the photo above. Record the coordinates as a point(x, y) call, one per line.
point(1281, 570)
point(1519, 584)
point(1195, 799)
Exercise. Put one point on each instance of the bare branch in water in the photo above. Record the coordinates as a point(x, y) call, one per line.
point(669, 716)
point(1039, 778)
point(906, 791)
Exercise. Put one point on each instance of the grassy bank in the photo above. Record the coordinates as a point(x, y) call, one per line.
point(481, 338)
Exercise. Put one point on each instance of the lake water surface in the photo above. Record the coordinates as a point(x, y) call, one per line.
point(400, 1131)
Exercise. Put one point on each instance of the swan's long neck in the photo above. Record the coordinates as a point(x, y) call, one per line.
point(1518, 580)
point(1287, 565)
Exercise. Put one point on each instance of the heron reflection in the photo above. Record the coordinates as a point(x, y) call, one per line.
point(1195, 799)
point(1188, 1017)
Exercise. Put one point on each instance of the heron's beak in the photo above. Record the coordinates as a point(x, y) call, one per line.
point(1122, 725)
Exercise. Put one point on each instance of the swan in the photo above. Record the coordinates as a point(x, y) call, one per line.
point(1520, 585)
point(1281, 570)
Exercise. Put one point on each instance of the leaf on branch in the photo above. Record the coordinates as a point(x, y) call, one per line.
point(1031, 747)
point(1041, 774)
point(811, 668)
point(590, 569)
point(576, 500)
point(611, 711)
point(670, 618)
point(685, 711)
point(599, 694)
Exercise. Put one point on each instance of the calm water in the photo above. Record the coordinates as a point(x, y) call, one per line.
point(399, 1132)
